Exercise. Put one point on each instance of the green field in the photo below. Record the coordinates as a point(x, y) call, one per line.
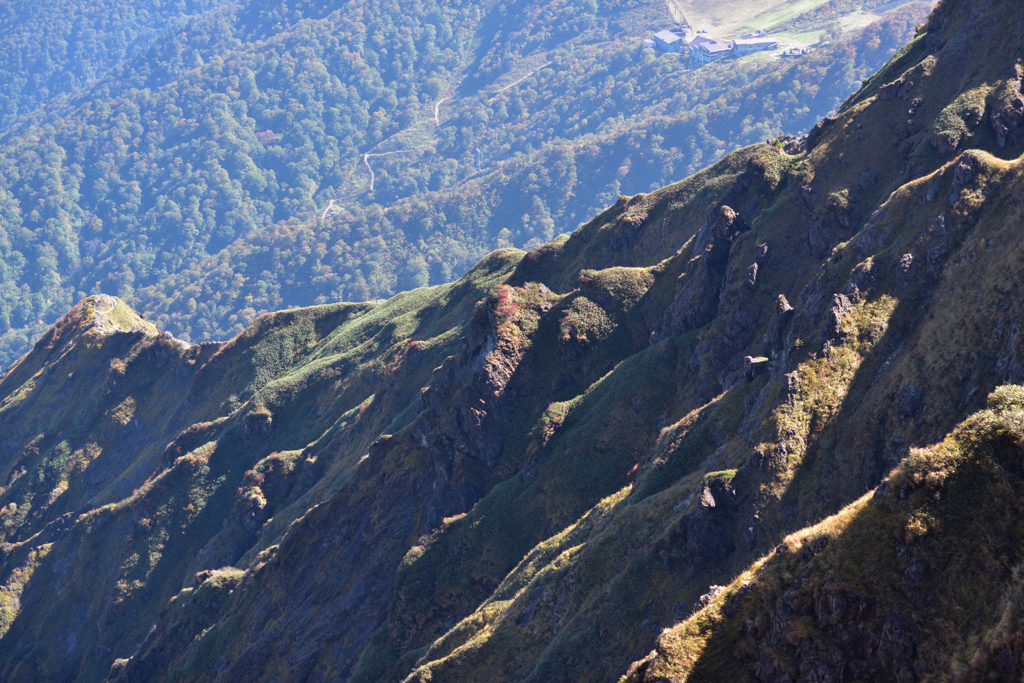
point(727, 18)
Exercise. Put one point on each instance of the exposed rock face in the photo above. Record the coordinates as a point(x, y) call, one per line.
point(698, 289)
point(723, 226)
point(1010, 363)
point(965, 172)
point(485, 364)
point(774, 338)
point(1007, 113)
point(257, 423)
point(696, 298)
point(704, 537)
point(900, 88)
point(833, 329)
point(853, 637)
point(822, 235)
point(751, 280)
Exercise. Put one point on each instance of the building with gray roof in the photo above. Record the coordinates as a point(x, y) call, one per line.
point(667, 41)
point(704, 50)
point(745, 46)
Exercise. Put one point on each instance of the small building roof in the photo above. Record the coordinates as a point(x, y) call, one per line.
point(667, 37)
point(710, 45)
point(756, 41)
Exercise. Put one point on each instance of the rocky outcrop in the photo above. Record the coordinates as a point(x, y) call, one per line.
point(853, 637)
point(1007, 108)
point(696, 298)
point(774, 339)
point(900, 88)
point(1010, 363)
point(481, 371)
point(698, 288)
point(827, 228)
point(703, 537)
point(833, 327)
point(752, 367)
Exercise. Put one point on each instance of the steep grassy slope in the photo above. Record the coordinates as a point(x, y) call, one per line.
point(888, 344)
point(138, 441)
point(919, 580)
point(529, 474)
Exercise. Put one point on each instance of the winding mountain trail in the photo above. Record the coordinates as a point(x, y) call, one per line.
point(330, 205)
point(437, 109)
point(373, 178)
point(523, 78)
point(437, 122)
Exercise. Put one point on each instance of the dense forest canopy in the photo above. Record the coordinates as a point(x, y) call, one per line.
point(50, 48)
point(269, 154)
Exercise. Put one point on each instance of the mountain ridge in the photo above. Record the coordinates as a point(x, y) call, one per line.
point(541, 471)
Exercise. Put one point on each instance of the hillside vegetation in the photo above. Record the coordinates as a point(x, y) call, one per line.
point(898, 585)
point(762, 424)
point(53, 48)
point(264, 154)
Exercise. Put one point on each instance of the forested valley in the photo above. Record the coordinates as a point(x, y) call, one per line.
point(225, 160)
